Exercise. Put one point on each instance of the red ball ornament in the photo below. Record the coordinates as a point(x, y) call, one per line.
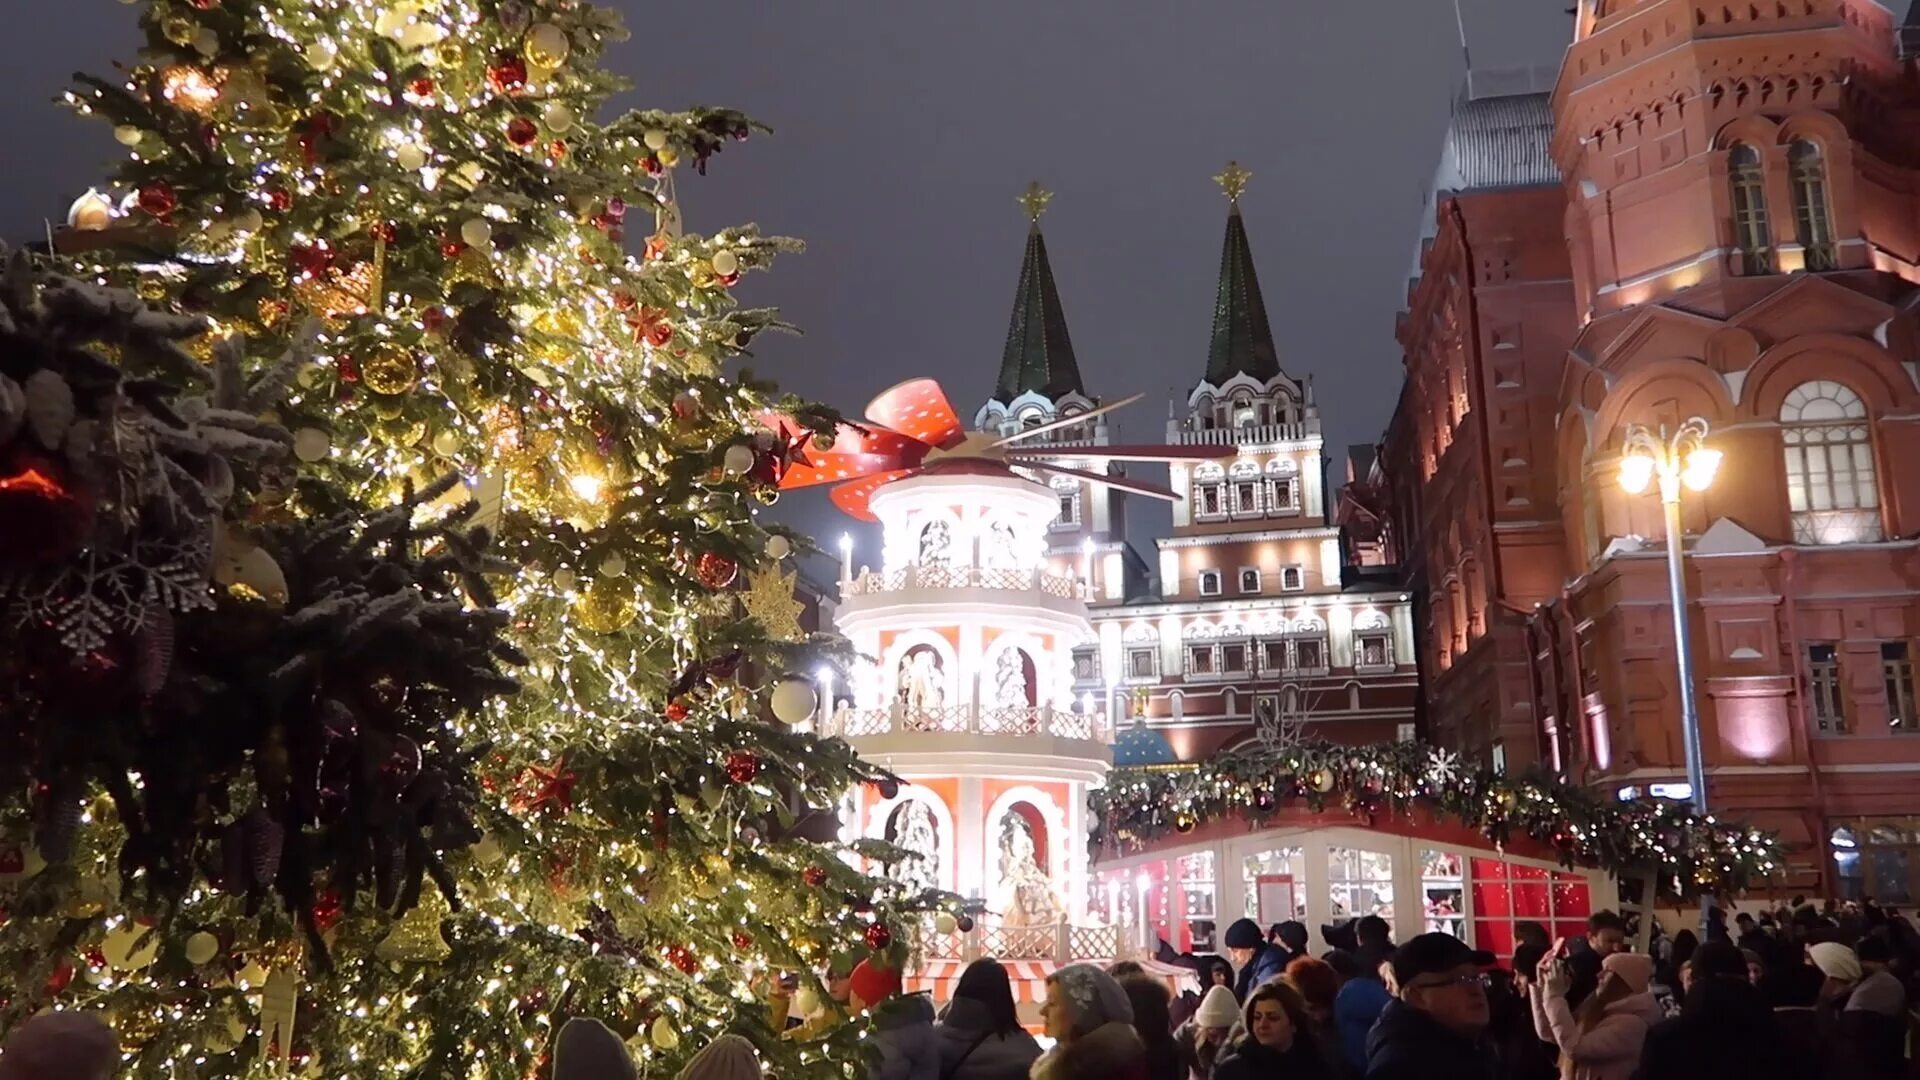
point(878, 936)
point(348, 367)
point(327, 911)
point(742, 766)
point(386, 232)
point(814, 876)
point(310, 260)
point(507, 73)
point(522, 132)
point(676, 711)
point(280, 199)
point(421, 87)
point(682, 957)
point(652, 165)
point(451, 248)
point(158, 198)
point(433, 319)
point(963, 923)
point(62, 976)
point(659, 333)
point(742, 940)
point(715, 570)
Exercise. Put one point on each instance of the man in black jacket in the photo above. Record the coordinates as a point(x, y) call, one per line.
point(1436, 1028)
point(1724, 1029)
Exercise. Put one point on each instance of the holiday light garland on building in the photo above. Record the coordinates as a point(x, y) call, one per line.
point(1687, 854)
point(420, 193)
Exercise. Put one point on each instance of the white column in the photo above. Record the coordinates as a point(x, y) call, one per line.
point(1314, 880)
point(1230, 886)
point(1409, 908)
point(969, 841)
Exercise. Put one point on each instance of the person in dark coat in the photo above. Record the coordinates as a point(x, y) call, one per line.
point(1290, 936)
point(1253, 959)
point(1606, 935)
point(979, 1035)
point(1278, 1042)
point(1375, 942)
point(1724, 1028)
point(1436, 1028)
point(1150, 998)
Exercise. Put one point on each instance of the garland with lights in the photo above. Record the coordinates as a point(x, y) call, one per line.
point(1687, 854)
point(430, 187)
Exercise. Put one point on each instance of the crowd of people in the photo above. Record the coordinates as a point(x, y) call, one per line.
point(1797, 993)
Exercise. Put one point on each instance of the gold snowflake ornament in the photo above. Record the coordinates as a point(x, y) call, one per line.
point(771, 602)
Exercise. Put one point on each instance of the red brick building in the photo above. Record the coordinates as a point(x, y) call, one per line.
point(1729, 228)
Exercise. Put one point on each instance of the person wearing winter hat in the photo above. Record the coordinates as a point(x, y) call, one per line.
point(1870, 1029)
point(1090, 1016)
point(1201, 1038)
point(1724, 1028)
point(588, 1050)
point(67, 1044)
point(1277, 1042)
point(1837, 962)
point(1436, 1028)
point(1254, 960)
point(1603, 1038)
point(728, 1057)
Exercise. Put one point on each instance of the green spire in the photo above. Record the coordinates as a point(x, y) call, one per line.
point(1242, 339)
point(1039, 354)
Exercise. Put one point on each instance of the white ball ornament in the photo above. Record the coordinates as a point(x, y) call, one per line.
point(311, 444)
point(558, 117)
point(565, 579)
point(446, 443)
point(411, 158)
point(738, 459)
point(248, 221)
point(321, 56)
point(662, 1033)
point(128, 135)
point(794, 700)
point(945, 923)
point(655, 138)
point(421, 35)
point(778, 547)
point(725, 262)
point(806, 1001)
point(206, 42)
point(613, 566)
point(475, 232)
point(202, 947)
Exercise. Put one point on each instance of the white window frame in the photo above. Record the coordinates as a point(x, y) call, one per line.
point(1152, 653)
point(1200, 583)
point(1246, 657)
point(1360, 640)
point(1249, 486)
point(1299, 575)
point(1833, 485)
point(1244, 571)
point(1190, 649)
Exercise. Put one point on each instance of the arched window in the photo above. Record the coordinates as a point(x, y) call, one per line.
point(1812, 217)
point(1751, 233)
point(1831, 488)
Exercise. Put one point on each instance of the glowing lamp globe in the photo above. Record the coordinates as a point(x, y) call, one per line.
point(1636, 472)
point(1701, 466)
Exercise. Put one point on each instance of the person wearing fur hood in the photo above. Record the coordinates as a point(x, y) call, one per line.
point(1089, 1016)
point(1604, 1037)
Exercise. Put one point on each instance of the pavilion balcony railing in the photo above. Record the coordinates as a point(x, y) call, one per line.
point(1030, 721)
point(1251, 433)
point(939, 576)
point(1060, 942)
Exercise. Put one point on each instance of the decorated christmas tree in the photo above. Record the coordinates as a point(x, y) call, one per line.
point(398, 703)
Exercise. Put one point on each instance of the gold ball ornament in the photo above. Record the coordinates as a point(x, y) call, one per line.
point(130, 946)
point(471, 267)
point(400, 431)
point(806, 1001)
point(395, 20)
point(558, 118)
point(128, 135)
point(321, 56)
point(945, 923)
point(136, 1027)
point(661, 1033)
point(547, 45)
point(725, 263)
point(605, 607)
point(311, 444)
point(667, 156)
point(446, 442)
point(206, 42)
point(565, 579)
point(716, 864)
point(179, 29)
point(476, 233)
point(1321, 781)
point(613, 566)
point(411, 157)
point(390, 370)
point(201, 947)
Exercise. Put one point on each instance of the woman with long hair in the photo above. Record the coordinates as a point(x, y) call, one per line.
point(1278, 1043)
point(979, 1036)
point(1604, 1037)
point(1151, 998)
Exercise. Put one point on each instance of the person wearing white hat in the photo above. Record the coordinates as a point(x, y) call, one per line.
point(729, 1057)
point(1201, 1038)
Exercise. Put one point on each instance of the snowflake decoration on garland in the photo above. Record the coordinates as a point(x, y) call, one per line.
point(769, 601)
point(1443, 768)
point(105, 590)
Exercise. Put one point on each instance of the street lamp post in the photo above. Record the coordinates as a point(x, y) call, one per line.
point(1680, 459)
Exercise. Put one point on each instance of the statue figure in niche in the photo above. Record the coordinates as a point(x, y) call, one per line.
point(1010, 689)
point(1025, 896)
point(1003, 547)
point(922, 680)
point(911, 827)
point(936, 544)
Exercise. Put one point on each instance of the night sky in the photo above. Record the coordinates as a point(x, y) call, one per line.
point(904, 131)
